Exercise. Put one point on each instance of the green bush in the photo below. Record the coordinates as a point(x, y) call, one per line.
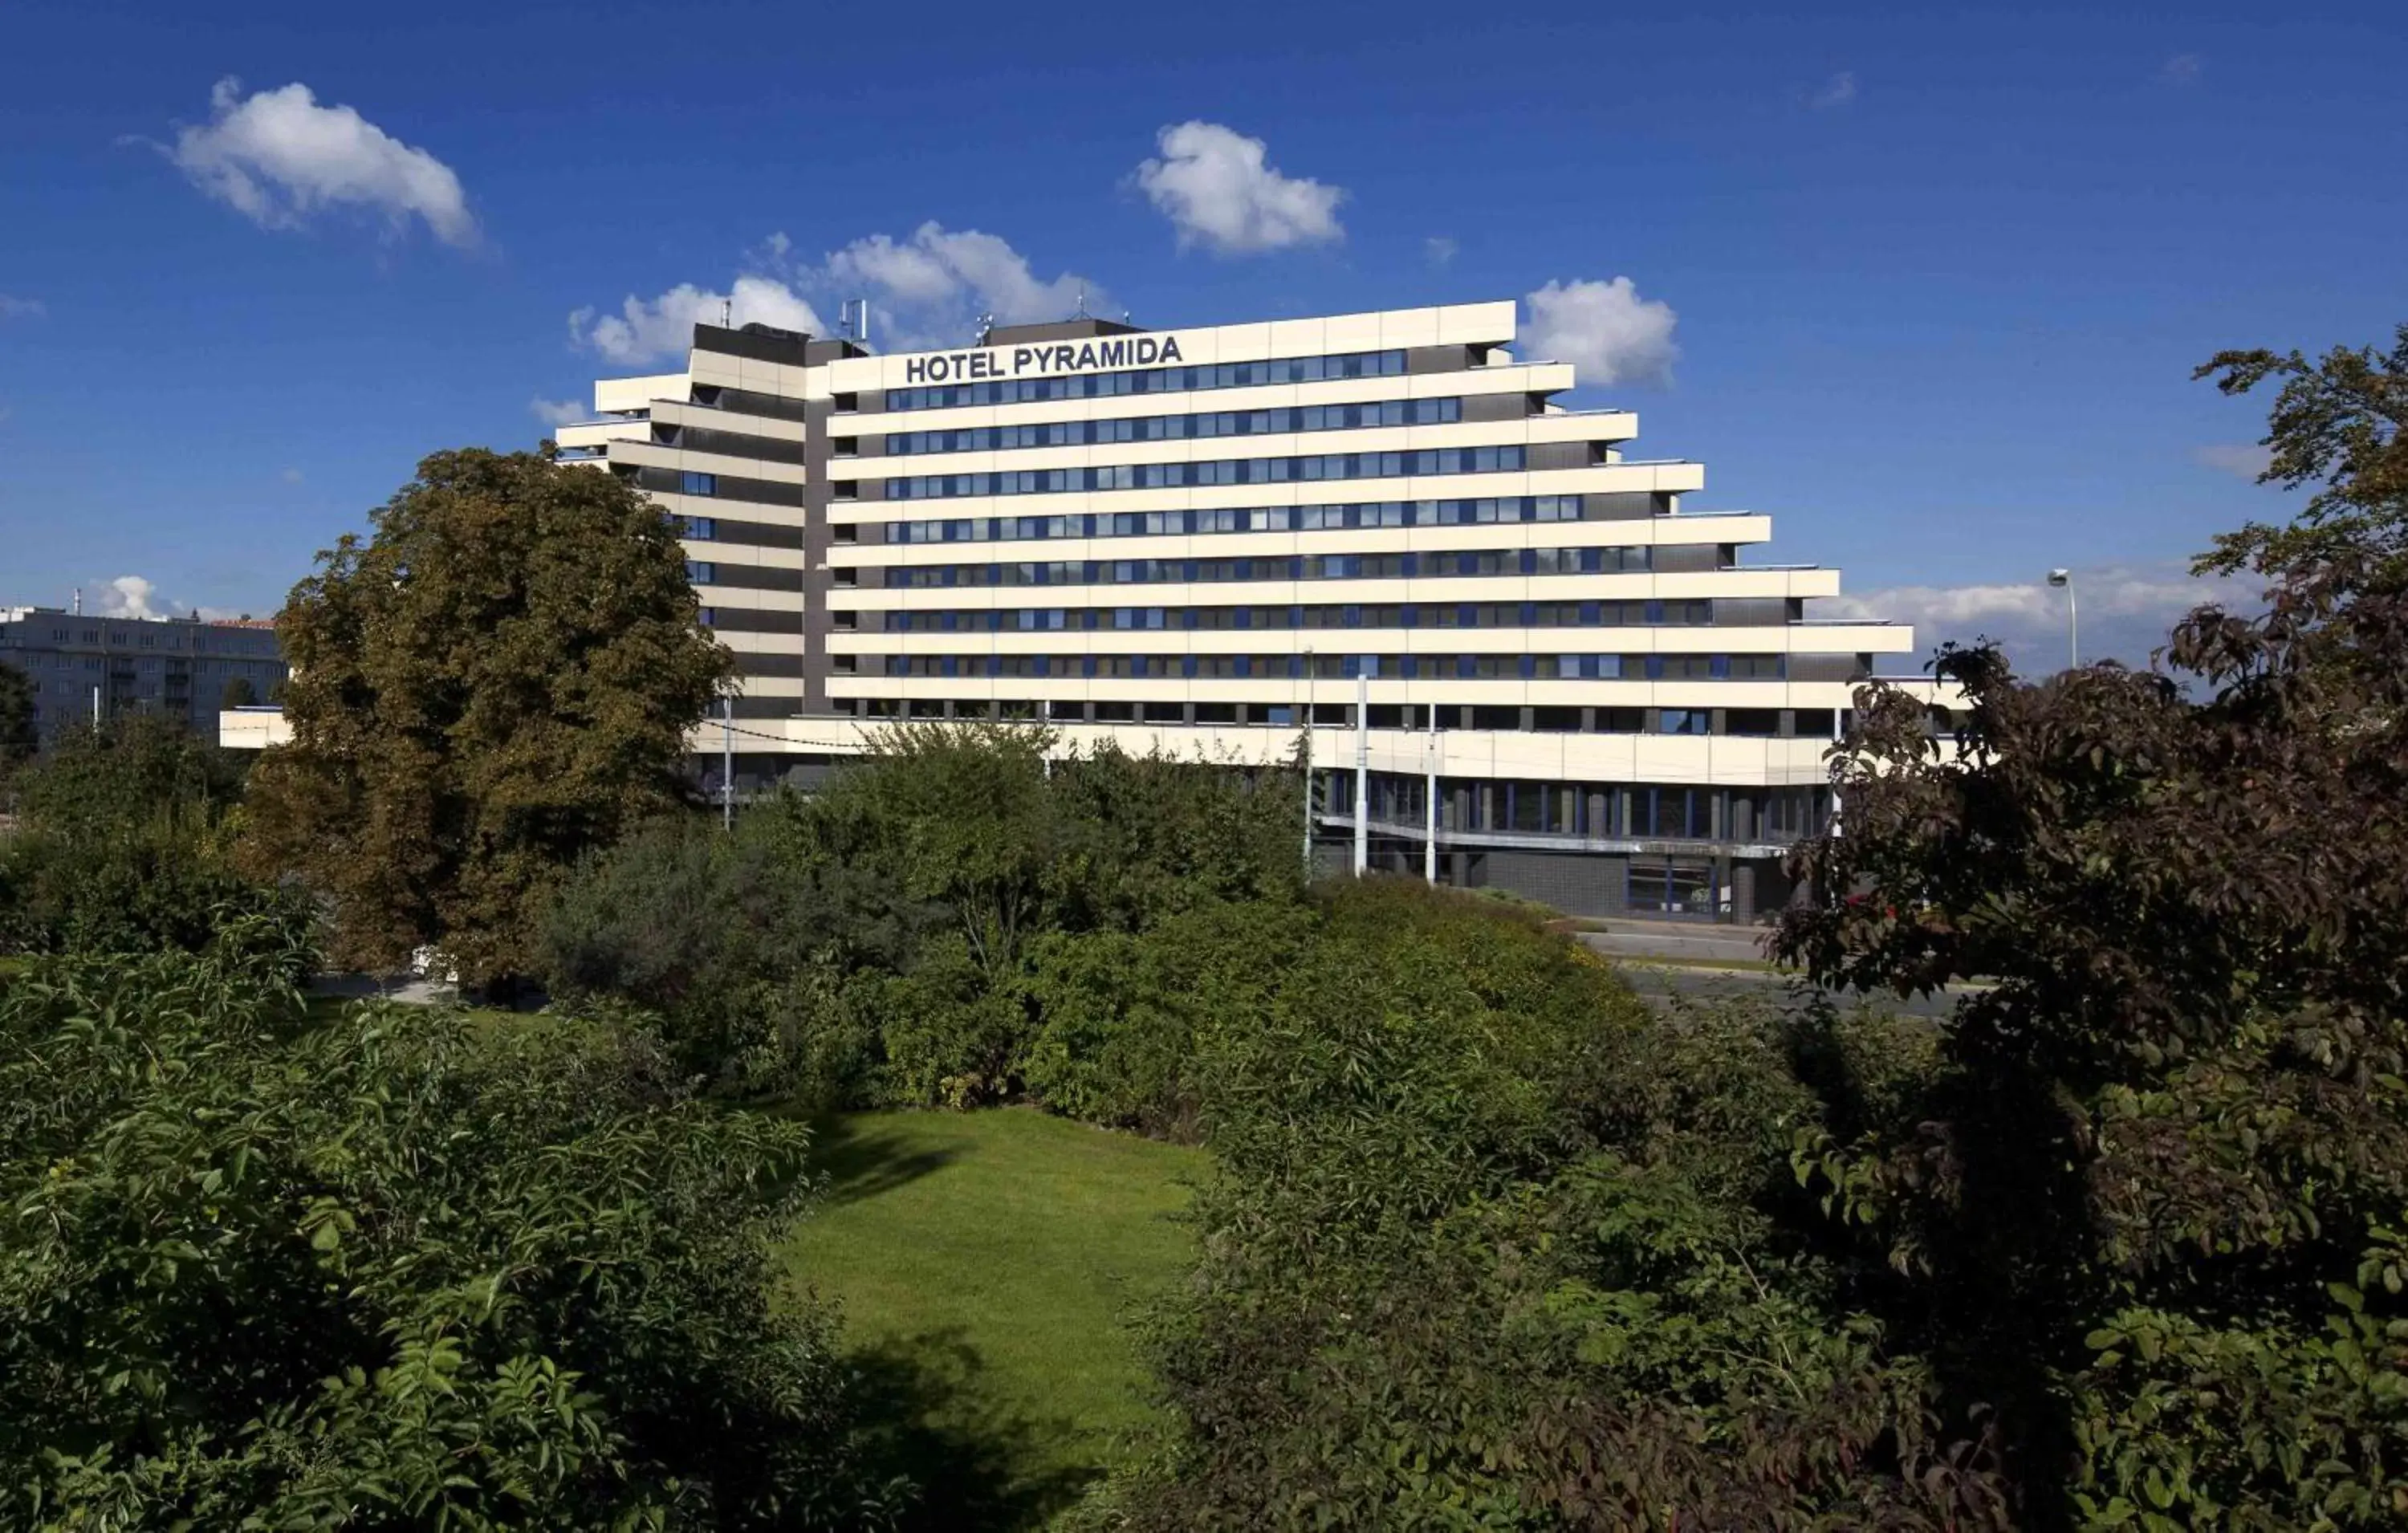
point(155, 887)
point(1491, 1244)
point(1122, 1017)
point(392, 1272)
point(950, 1039)
point(124, 849)
point(876, 944)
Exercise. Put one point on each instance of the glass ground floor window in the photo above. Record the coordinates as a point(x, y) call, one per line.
point(1673, 888)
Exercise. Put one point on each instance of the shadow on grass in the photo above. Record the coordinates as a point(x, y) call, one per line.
point(979, 1464)
point(857, 1165)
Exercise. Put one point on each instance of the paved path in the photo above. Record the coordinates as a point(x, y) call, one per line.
point(1673, 941)
point(410, 989)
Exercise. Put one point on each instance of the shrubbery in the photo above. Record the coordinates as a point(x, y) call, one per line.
point(124, 847)
point(1491, 1244)
point(902, 937)
point(392, 1272)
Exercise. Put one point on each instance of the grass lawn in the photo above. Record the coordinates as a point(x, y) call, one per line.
point(987, 1265)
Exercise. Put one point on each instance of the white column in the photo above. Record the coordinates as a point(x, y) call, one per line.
point(1429, 798)
point(1307, 763)
point(1362, 773)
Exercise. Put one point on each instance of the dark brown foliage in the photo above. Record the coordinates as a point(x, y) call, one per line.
point(2149, 1214)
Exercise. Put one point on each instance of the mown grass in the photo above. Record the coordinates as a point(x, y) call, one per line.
point(987, 1266)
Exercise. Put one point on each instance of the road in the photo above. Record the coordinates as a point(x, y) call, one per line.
point(1651, 955)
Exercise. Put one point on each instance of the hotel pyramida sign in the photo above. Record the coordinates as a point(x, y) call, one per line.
point(1079, 356)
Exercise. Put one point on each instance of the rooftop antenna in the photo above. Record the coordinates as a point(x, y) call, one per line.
point(78, 601)
point(985, 327)
point(727, 313)
point(1083, 303)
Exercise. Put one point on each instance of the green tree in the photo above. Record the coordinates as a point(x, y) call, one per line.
point(238, 693)
point(2151, 1210)
point(2337, 424)
point(395, 1272)
point(500, 678)
point(18, 737)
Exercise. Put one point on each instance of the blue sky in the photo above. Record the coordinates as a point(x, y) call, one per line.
point(1934, 284)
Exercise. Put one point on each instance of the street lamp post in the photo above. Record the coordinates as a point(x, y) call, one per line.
point(2063, 579)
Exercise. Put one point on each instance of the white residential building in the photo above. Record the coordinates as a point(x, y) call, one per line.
point(1187, 539)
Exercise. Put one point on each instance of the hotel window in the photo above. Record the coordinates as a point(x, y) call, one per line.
point(700, 573)
point(1671, 889)
point(1685, 721)
point(695, 483)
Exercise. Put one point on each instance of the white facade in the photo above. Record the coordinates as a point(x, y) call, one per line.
point(1187, 540)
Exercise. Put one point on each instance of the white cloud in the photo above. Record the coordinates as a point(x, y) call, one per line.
point(557, 412)
point(129, 596)
point(2241, 460)
point(1838, 91)
point(137, 596)
point(647, 330)
point(929, 290)
point(278, 157)
point(2126, 614)
point(1604, 329)
point(1441, 249)
point(1215, 186)
point(2181, 69)
point(290, 475)
point(21, 308)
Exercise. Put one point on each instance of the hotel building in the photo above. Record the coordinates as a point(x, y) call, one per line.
point(1196, 539)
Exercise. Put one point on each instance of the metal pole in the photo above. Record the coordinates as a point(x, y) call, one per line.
point(727, 764)
point(1362, 771)
point(2072, 627)
point(1429, 793)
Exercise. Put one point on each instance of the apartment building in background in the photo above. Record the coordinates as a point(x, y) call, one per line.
point(1383, 526)
point(86, 667)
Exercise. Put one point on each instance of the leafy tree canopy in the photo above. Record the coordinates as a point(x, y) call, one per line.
point(498, 679)
point(2150, 1207)
point(2337, 424)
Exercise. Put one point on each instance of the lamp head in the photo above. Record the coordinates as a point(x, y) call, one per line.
point(2060, 577)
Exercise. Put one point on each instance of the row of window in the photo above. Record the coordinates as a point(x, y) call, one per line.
point(1309, 567)
point(1760, 723)
point(237, 640)
point(731, 444)
point(1225, 471)
point(1461, 667)
point(1525, 614)
point(1665, 811)
point(1319, 518)
point(1176, 428)
point(1227, 375)
point(33, 660)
